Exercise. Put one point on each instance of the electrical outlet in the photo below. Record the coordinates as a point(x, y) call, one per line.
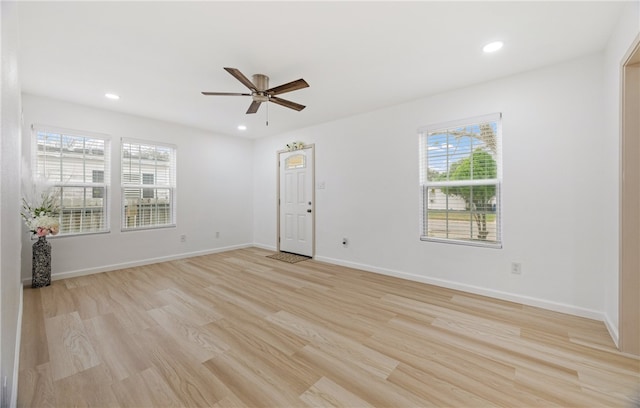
point(183, 238)
point(516, 268)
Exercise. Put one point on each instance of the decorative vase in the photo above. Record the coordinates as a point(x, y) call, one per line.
point(41, 270)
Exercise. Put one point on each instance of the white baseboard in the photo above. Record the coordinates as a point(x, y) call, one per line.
point(525, 300)
point(16, 358)
point(267, 247)
point(613, 330)
point(140, 262)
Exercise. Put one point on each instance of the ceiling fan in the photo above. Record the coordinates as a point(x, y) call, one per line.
point(260, 91)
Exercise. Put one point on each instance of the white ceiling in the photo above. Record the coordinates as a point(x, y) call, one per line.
point(356, 56)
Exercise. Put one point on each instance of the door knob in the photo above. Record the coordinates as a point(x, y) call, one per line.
point(309, 210)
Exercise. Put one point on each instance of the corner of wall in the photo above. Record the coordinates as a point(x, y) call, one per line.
point(612, 329)
point(16, 366)
point(622, 37)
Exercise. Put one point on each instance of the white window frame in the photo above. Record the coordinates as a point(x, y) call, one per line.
point(40, 167)
point(428, 187)
point(131, 180)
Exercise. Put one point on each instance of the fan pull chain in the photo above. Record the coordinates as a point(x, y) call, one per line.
point(267, 123)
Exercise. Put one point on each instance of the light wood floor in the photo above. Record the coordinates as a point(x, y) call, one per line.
point(239, 329)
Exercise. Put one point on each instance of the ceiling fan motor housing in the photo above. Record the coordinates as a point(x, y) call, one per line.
point(261, 83)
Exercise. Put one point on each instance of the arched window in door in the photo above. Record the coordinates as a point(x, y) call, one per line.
point(297, 161)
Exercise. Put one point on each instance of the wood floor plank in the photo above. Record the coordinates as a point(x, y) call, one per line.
point(198, 342)
point(238, 329)
point(254, 306)
point(454, 367)
point(255, 387)
point(70, 349)
point(259, 348)
point(121, 354)
point(90, 301)
point(191, 305)
point(88, 388)
point(326, 393)
point(56, 300)
point(160, 393)
point(34, 350)
point(36, 387)
point(247, 331)
point(145, 389)
point(337, 345)
point(435, 391)
point(358, 381)
point(510, 353)
point(131, 315)
point(231, 401)
point(183, 374)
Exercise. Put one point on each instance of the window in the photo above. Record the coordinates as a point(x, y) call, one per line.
point(77, 165)
point(148, 185)
point(460, 181)
point(97, 176)
point(297, 161)
point(147, 178)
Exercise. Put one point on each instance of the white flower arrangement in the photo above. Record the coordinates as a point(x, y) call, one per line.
point(295, 146)
point(41, 219)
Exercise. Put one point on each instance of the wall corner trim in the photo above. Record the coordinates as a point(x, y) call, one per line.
point(612, 329)
point(16, 365)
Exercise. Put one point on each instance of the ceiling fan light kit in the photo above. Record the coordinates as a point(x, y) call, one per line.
point(260, 91)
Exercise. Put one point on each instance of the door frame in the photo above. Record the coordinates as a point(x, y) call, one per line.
point(629, 218)
point(312, 147)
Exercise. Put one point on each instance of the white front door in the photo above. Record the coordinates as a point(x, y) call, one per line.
point(296, 201)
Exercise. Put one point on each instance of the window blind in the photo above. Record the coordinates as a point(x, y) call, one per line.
point(148, 180)
point(460, 181)
point(76, 166)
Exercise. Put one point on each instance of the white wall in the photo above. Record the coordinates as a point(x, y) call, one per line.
point(621, 40)
point(552, 200)
point(214, 193)
point(10, 285)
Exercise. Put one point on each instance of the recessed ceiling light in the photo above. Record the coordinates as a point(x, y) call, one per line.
point(493, 47)
point(111, 96)
point(242, 127)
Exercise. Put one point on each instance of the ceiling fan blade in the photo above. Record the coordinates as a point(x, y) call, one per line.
point(288, 87)
point(240, 77)
point(286, 103)
point(253, 108)
point(226, 93)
